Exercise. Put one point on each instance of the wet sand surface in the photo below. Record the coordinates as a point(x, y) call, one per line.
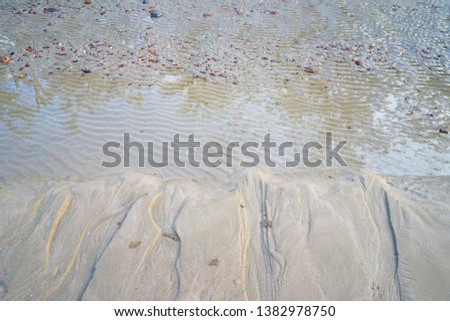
point(376, 75)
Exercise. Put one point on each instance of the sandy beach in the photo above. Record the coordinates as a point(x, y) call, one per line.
point(77, 76)
point(337, 235)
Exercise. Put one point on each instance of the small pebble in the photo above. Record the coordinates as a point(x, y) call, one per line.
point(155, 15)
point(134, 245)
point(310, 70)
point(51, 10)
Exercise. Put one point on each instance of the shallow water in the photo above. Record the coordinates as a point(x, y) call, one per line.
point(225, 72)
point(251, 55)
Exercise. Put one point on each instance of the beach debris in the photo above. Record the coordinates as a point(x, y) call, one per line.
point(121, 65)
point(172, 236)
point(102, 13)
point(310, 70)
point(22, 76)
point(443, 130)
point(395, 7)
point(87, 2)
point(241, 205)
point(214, 262)
point(224, 65)
point(86, 71)
point(266, 223)
point(144, 2)
point(50, 10)
point(6, 60)
point(134, 245)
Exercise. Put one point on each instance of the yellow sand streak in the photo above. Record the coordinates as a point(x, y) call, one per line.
point(71, 264)
point(36, 208)
point(75, 255)
point(59, 216)
point(152, 244)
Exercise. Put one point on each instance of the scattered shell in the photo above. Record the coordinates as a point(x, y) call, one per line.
point(214, 262)
point(155, 15)
point(6, 60)
point(443, 130)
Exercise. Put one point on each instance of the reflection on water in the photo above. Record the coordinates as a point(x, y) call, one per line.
point(381, 81)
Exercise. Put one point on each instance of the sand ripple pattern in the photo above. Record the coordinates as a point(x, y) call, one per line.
point(381, 80)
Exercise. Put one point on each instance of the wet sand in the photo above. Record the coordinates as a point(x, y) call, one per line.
point(336, 235)
point(376, 75)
